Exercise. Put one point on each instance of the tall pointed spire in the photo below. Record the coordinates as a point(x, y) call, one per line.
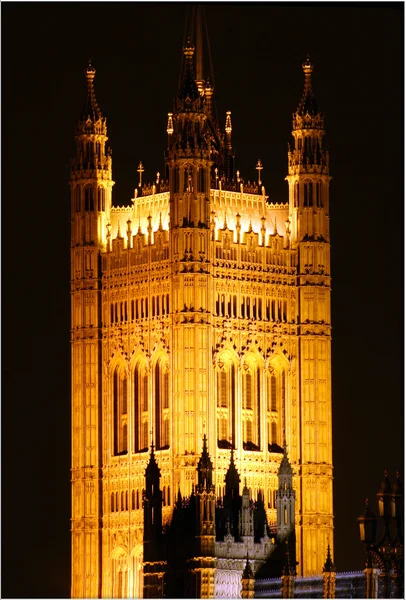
point(188, 88)
point(308, 104)
point(91, 109)
point(205, 468)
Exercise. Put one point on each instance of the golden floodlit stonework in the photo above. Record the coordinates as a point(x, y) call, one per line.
point(200, 308)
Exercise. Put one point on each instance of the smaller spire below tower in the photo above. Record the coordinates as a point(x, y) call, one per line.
point(285, 467)
point(205, 468)
point(232, 478)
point(329, 566)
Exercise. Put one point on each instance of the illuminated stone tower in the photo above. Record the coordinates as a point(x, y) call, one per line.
point(201, 309)
point(309, 180)
point(91, 185)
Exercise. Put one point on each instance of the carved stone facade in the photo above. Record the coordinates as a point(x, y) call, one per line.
point(200, 308)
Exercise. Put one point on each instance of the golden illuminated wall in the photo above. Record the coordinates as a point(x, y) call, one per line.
point(177, 332)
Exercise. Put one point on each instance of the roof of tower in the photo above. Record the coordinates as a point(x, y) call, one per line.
point(308, 104)
point(329, 566)
point(91, 109)
point(285, 467)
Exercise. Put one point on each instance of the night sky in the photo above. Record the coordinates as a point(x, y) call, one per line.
point(257, 52)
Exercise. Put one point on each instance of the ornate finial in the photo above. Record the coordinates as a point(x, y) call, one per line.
point(259, 168)
point(275, 228)
point(118, 229)
point(157, 178)
point(169, 127)
point(140, 170)
point(238, 176)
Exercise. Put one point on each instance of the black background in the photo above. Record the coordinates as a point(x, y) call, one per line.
point(257, 52)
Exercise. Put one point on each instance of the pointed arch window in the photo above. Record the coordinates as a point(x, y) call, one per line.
point(251, 394)
point(161, 397)
point(89, 199)
point(226, 406)
point(308, 194)
point(276, 402)
point(140, 410)
point(120, 577)
point(120, 391)
point(296, 195)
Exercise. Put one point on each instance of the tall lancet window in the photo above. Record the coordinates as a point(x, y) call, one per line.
point(226, 406)
point(120, 392)
point(276, 402)
point(161, 398)
point(251, 394)
point(89, 198)
point(140, 409)
point(101, 199)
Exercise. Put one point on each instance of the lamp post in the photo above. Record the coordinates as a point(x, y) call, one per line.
point(386, 556)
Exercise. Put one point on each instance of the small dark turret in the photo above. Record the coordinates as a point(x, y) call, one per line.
point(247, 581)
point(329, 576)
point(205, 469)
point(232, 479)
point(152, 509)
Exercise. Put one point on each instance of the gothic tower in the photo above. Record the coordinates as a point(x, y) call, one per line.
point(199, 306)
point(91, 186)
point(309, 180)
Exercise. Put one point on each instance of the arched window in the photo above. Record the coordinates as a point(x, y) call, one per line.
point(140, 410)
point(161, 395)
point(120, 411)
point(276, 402)
point(251, 393)
point(120, 577)
point(89, 200)
point(101, 199)
point(226, 406)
